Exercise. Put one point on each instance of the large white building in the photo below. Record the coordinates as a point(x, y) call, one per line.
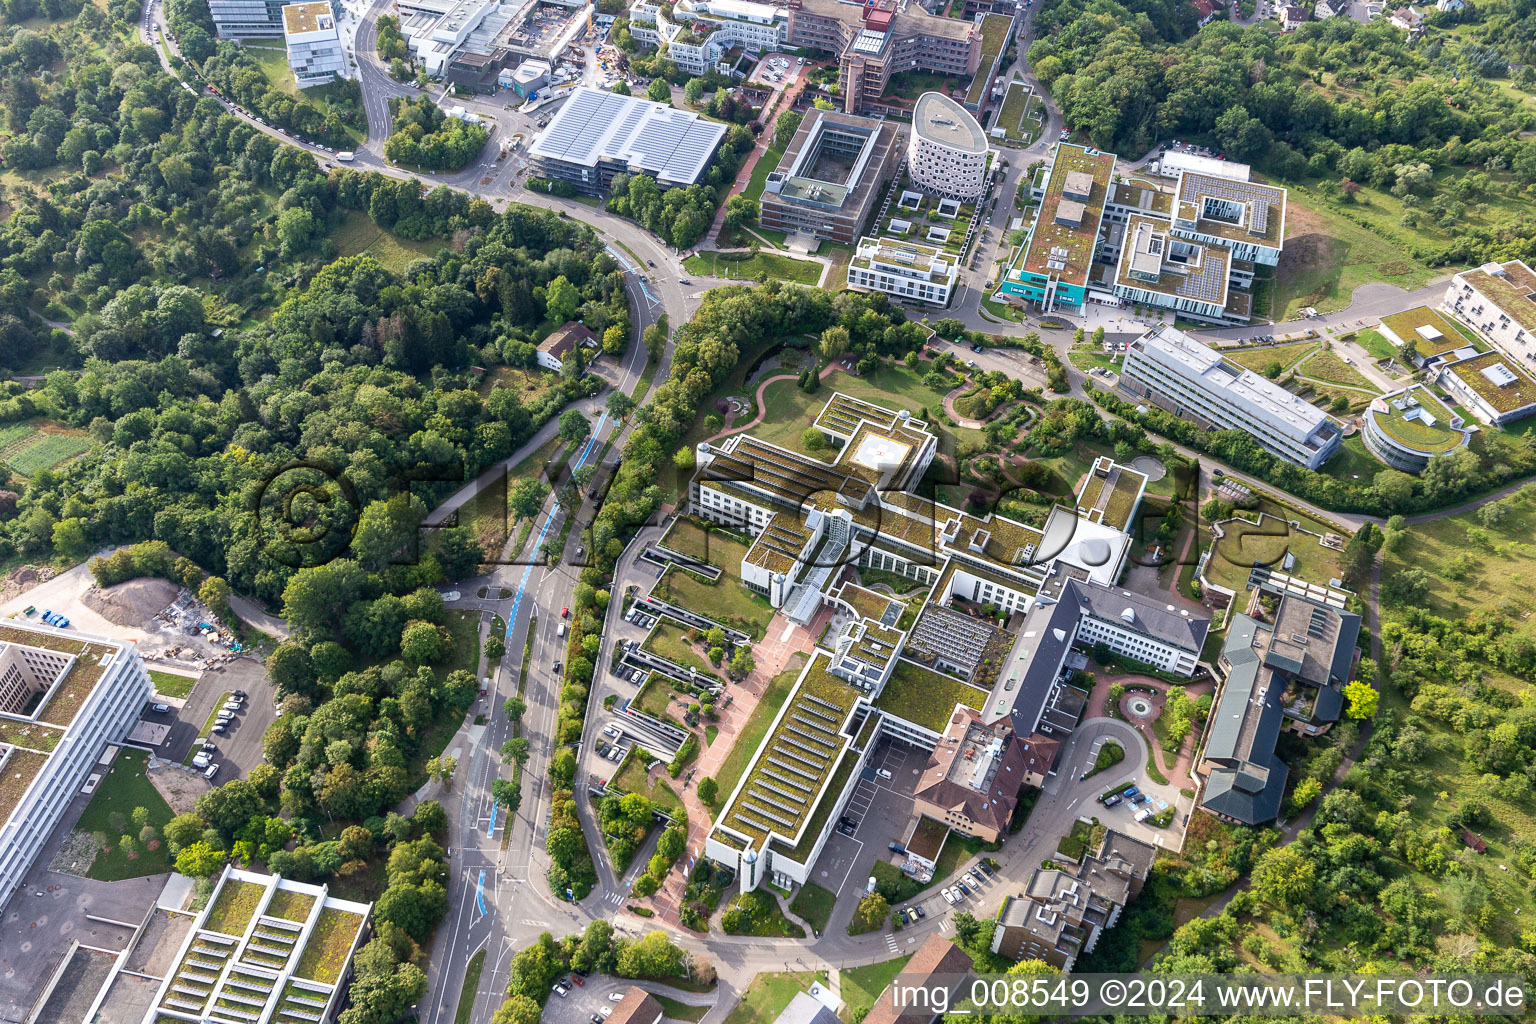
point(1498, 301)
point(907, 270)
point(712, 28)
point(1170, 369)
point(598, 135)
point(998, 609)
point(64, 697)
point(246, 19)
point(947, 151)
point(264, 949)
point(315, 54)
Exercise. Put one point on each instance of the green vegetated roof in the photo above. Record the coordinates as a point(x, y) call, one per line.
point(1516, 395)
point(1403, 423)
point(794, 763)
point(925, 697)
point(1452, 335)
point(818, 821)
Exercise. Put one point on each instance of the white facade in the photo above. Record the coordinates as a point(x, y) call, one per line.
point(315, 54)
point(906, 271)
point(434, 38)
point(720, 25)
point(1494, 300)
point(59, 664)
point(1195, 381)
point(947, 152)
point(1125, 640)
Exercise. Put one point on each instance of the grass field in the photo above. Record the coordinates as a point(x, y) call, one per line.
point(1473, 567)
point(631, 778)
point(674, 1010)
point(751, 735)
point(123, 788)
point(790, 410)
point(1327, 256)
point(813, 904)
point(1328, 367)
point(668, 640)
point(1260, 359)
point(698, 540)
point(761, 266)
point(358, 235)
point(861, 986)
point(725, 600)
point(1376, 345)
point(765, 164)
point(768, 995)
point(1266, 543)
point(274, 64)
point(469, 989)
point(171, 684)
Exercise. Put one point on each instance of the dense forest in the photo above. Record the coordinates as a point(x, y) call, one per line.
point(1336, 103)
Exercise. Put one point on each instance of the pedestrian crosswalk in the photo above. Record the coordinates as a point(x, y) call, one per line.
point(890, 941)
point(613, 897)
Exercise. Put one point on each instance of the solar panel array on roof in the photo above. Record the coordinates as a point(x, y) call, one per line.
point(595, 126)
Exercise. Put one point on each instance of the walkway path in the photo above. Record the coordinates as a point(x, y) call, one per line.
point(762, 408)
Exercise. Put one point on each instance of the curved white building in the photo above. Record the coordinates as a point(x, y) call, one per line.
point(947, 152)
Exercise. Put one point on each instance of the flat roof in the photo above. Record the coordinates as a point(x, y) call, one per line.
point(1258, 396)
point(1260, 208)
point(675, 146)
point(1509, 286)
point(1451, 335)
point(1506, 392)
point(310, 17)
point(1066, 251)
point(939, 119)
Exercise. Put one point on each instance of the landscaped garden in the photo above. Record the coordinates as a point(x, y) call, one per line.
point(670, 641)
point(110, 818)
point(758, 913)
point(813, 904)
point(754, 266)
point(633, 778)
point(725, 600)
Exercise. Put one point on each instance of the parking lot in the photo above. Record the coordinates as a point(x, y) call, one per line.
point(239, 747)
point(883, 810)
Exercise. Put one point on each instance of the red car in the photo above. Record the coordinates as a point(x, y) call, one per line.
point(565, 612)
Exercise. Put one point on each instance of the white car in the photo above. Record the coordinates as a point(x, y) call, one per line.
point(225, 716)
point(949, 897)
point(233, 705)
point(884, 774)
point(612, 731)
point(615, 997)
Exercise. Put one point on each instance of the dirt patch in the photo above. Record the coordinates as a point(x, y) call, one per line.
point(23, 578)
point(180, 788)
point(134, 603)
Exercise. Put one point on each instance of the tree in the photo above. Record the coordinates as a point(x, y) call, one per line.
point(1284, 878)
point(422, 643)
point(183, 830)
point(1305, 792)
point(518, 1009)
point(870, 915)
point(561, 300)
point(709, 789)
point(384, 984)
point(1362, 697)
point(659, 91)
point(573, 426)
point(526, 497)
point(513, 708)
point(693, 91)
point(784, 129)
point(834, 342)
point(495, 648)
point(740, 210)
point(516, 750)
point(200, 860)
point(442, 769)
point(508, 793)
point(619, 405)
point(653, 956)
point(415, 908)
point(742, 662)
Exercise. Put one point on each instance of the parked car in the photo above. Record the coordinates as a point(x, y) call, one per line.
point(983, 866)
point(1130, 792)
point(561, 988)
point(1112, 800)
point(213, 770)
point(217, 727)
point(616, 997)
point(565, 612)
point(884, 774)
point(161, 709)
point(225, 716)
point(949, 897)
point(897, 848)
point(241, 694)
point(201, 761)
point(963, 887)
point(233, 705)
point(920, 911)
point(611, 730)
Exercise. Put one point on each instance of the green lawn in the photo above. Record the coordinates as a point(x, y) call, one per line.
point(1473, 567)
point(1375, 344)
point(1329, 367)
point(761, 266)
point(766, 917)
point(725, 600)
point(1258, 359)
point(768, 995)
point(1245, 545)
point(790, 410)
point(1327, 255)
point(358, 235)
point(171, 684)
point(813, 904)
point(124, 788)
point(760, 171)
point(668, 640)
point(468, 990)
point(274, 65)
point(861, 986)
point(705, 542)
point(631, 778)
point(751, 735)
point(925, 697)
point(674, 1010)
